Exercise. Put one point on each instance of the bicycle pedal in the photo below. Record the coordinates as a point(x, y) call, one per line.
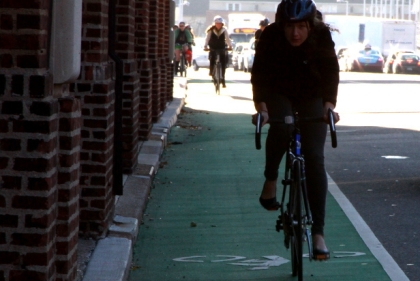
point(279, 225)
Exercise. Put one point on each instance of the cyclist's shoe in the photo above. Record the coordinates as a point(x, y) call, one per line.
point(223, 84)
point(320, 251)
point(270, 204)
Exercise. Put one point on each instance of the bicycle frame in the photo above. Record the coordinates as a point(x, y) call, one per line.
point(217, 70)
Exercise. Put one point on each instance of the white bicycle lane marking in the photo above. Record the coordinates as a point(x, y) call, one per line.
point(257, 264)
point(254, 264)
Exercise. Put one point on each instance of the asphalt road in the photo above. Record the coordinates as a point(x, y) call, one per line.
point(376, 164)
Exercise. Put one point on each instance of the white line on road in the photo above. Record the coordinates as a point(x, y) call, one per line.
point(374, 245)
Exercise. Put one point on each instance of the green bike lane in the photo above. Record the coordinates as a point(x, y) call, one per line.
point(203, 220)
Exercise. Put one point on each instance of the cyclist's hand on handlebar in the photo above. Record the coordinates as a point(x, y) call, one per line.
point(264, 115)
point(206, 49)
point(229, 49)
point(327, 106)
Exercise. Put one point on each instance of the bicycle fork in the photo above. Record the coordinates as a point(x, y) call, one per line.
point(286, 221)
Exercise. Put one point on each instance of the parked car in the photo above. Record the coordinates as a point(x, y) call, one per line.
point(406, 63)
point(390, 59)
point(367, 59)
point(248, 56)
point(200, 59)
point(236, 55)
point(241, 56)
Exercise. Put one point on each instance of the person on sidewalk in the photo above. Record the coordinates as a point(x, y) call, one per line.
point(296, 67)
point(183, 41)
point(217, 38)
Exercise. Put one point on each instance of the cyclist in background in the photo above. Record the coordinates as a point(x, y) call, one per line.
point(182, 37)
point(263, 25)
point(188, 53)
point(296, 67)
point(217, 39)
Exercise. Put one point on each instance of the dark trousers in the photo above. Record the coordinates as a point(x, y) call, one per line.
point(223, 60)
point(313, 136)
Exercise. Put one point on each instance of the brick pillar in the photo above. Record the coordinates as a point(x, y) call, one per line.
point(169, 64)
point(28, 144)
point(154, 21)
point(162, 52)
point(68, 188)
point(145, 70)
point(125, 50)
point(96, 90)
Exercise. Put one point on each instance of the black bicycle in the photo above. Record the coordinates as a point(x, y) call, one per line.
point(217, 73)
point(295, 216)
point(182, 61)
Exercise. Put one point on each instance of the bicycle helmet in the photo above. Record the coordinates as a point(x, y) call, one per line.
point(296, 10)
point(218, 19)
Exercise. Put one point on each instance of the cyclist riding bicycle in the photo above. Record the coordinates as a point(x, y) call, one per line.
point(295, 68)
point(217, 39)
point(263, 25)
point(182, 37)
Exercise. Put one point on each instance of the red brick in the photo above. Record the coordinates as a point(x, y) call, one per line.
point(31, 239)
point(33, 202)
point(9, 221)
point(10, 182)
point(40, 127)
point(69, 124)
point(19, 275)
point(67, 160)
point(42, 183)
point(40, 145)
point(9, 257)
point(34, 164)
point(64, 212)
point(10, 145)
point(67, 194)
point(4, 162)
point(6, 22)
point(69, 143)
point(39, 222)
point(40, 259)
point(65, 177)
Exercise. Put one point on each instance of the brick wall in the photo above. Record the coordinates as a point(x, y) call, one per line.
point(154, 22)
point(125, 50)
point(68, 188)
point(56, 141)
point(144, 66)
point(95, 89)
point(38, 201)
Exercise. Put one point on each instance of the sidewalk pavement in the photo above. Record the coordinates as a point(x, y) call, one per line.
point(109, 259)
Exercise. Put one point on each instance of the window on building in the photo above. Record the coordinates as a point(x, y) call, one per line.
point(234, 7)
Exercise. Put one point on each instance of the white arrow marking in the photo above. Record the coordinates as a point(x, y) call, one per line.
point(188, 259)
point(257, 264)
point(347, 254)
point(231, 258)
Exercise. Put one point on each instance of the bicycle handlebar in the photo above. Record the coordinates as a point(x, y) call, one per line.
point(289, 120)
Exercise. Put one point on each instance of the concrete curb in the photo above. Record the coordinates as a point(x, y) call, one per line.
point(112, 256)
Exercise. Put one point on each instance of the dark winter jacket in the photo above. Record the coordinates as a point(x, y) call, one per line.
point(310, 70)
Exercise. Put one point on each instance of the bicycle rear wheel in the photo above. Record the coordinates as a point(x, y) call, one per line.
point(296, 211)
point(182, 67)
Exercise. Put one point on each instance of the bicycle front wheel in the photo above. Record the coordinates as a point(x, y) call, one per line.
point(217, 78)
point(296, 212)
